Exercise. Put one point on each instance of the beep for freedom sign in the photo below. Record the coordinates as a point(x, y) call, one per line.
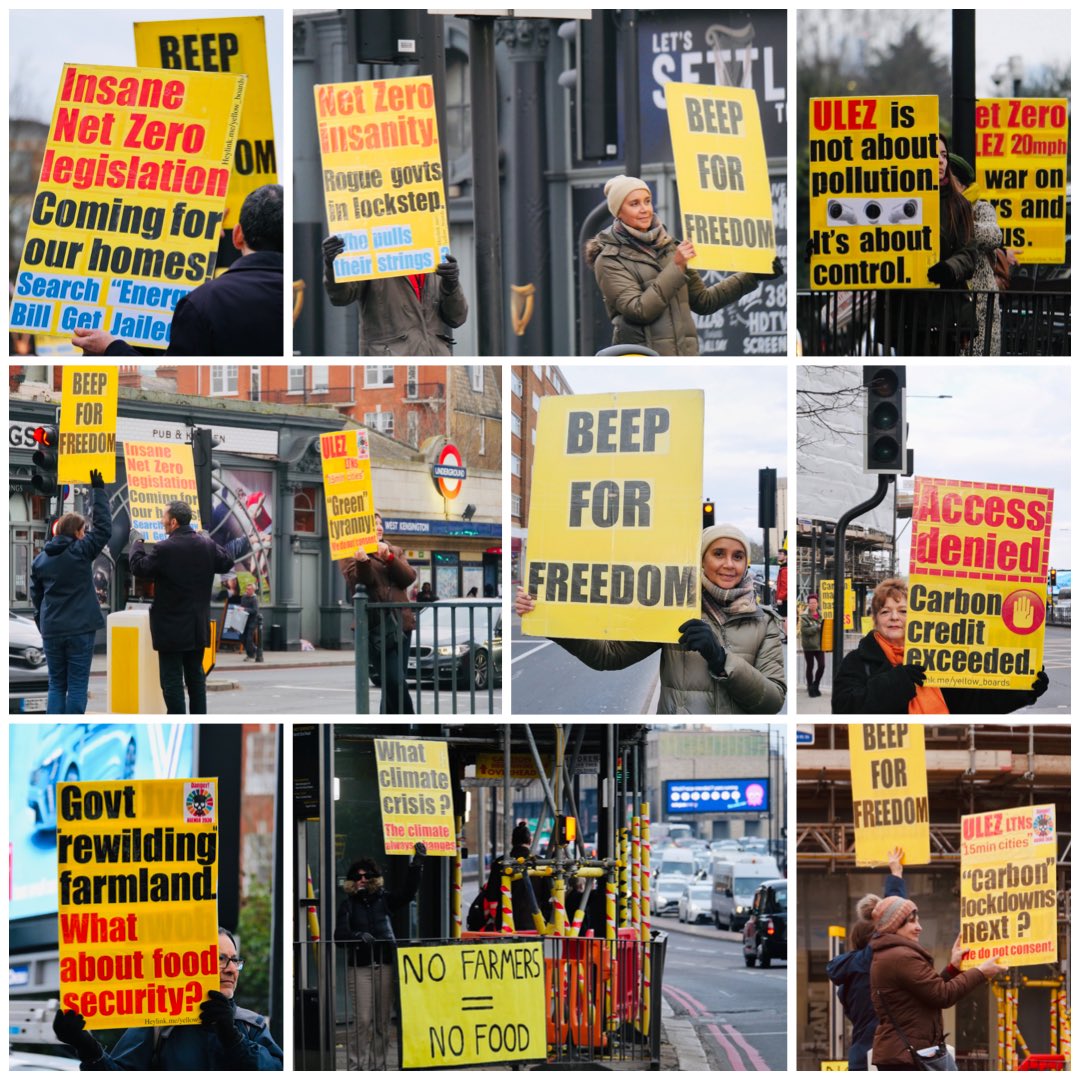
point(130, 200)
point(137, 871)
point(615, 524)
point(873, 192)
point(382, 176)
point(1008, 886)
point(88, 406)
point(977, 588)
point(723, 176)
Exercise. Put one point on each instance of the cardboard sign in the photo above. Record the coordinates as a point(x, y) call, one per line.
point(723, 176)
point(980, 554)
point(415, 796)
point(130, 200)
point(1008, 886)
point(158, 474)
point(873, 192)
point(350, 505)
point(137, 866)
point(235, 46)
point(88, 404)
point(1021, 162)
point(615, 525)
point(889, 802)
point(382, 176)
point(472, 1004)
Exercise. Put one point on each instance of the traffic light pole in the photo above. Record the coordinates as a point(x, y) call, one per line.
point(884, 480)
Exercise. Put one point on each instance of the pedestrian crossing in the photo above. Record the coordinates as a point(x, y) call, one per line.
point(1057, 652)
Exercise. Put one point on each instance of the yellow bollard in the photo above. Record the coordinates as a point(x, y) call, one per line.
point(507, 920)
point(646, 928)
point(635, 876)
point(455, 882)
point(624, 878)
point(611, 935)
point(558, 904)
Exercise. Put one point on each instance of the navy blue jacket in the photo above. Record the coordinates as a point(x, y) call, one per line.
point(62, 578)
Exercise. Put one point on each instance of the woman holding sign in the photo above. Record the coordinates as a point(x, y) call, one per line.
point(873, 678)
point(731, 660)
point(649, 288)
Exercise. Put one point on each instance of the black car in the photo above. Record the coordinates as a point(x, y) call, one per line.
point(454, 643)
point(28, 673)
point(765, 932)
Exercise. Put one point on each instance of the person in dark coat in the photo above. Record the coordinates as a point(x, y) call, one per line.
point(386, 576)
point(908, 994)
point(65, 602)
point(521, 839)
point(250, 603)
point(850, 971)
point(401, 316)
point(364, 920)
point(182, 567)
point(227, 1039)
point(239, 313)
point(874, 679)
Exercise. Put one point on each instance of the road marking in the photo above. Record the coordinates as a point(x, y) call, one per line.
point(755, 1058)
point(734, 1060)
point(321, 689)
point(691, 1005)
point(516, 656)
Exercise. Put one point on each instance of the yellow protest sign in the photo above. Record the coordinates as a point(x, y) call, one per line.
point(158, 474)
point(88, 403)
point(723, 176)
point(889, 803)
point(350, 506)
point(1008, 886)
point(834, 1066)
point(130, 200)
point(615, 520)
point(137, 866)
point(415, 796)
point(976, 605)
point(470, 1004)
point(234, 46)
point(827, 590)
point(1021, 163)
point(382, 176)
point(873, 192)
point(849, 606)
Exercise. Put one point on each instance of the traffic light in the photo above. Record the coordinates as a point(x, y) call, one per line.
point(708, 513)
point(886, 426)
point(387, 36)
point(766, 498)
point(1053, 579)
point(828, 540)
point(46, 459)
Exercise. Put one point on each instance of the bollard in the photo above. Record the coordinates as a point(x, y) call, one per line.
point(646, 927)
point(611, 944)
point(558, 904)
point(624, 879)
point(507, 916)
point(133, 680)
point(635, 875)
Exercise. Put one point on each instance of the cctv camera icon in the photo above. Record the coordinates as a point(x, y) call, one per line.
point(874, 211)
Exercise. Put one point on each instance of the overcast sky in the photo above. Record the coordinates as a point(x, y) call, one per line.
point(42, 41)
point(745, 423)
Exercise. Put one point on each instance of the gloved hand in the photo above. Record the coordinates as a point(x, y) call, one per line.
point(915, 672)
point(70, 1027)
point(219, 1012)
point(419, 853)
point(96, 480)
point(777, 271)
point(135, 535)
point(697, 637)
point(941, 274)
point(1041, 684)
point(449, 273)
point(366, 938)
point(332, 247)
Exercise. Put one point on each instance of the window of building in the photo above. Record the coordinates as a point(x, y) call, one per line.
point(256, 382)
point(224, 379)
point(380, 421)
point(538, 371)
point(320, 377)
point(378, 375)
point(412, 419)
point(532, 434)
point(297, 374)
point(412, 383)
point(305, 512)
point(260, 762)
point(515, 506)
point(515, 384)
point(515, 465)
point(476, 378)
point(536, 402)
point(515, 424)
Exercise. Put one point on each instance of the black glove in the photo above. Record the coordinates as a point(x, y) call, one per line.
point(366, 938)
point(419, 851)
point(777, 271)
point(915, 672)
point(697, 637)
point(1041, 684)
point(69, 1027)
point(96, 480)
point(332, 247)
point(135, 535)
point(219, 1012)
point(941, 274)
point(449, 273)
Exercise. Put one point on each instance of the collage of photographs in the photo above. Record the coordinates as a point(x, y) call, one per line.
point(730, 452)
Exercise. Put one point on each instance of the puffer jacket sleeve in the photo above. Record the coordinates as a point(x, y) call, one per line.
point(256, 1051)
point(884, 693)
point(760, 687)
point(399, 570)
point(134, 1052)
point(625, 296)
point(453, 307)
point(919, 978)
point(608, 655)
point(704, 300)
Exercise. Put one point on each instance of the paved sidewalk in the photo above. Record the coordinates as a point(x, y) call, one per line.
point(234, 661)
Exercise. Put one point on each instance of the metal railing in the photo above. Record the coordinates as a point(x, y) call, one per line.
point(931, 322)
point(458, 646)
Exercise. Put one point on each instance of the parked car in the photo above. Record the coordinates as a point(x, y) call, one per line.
point(28, 673)
point(695, 902)
point(765, 932)
point(734, 885)
point(674, 871)
point(461, 654)
point(73, 752)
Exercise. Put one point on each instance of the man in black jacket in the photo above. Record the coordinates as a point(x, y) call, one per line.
point(239, 313)
point(182, 567)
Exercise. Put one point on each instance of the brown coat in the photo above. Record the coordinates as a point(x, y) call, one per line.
point(903, 973)
point(385, 583)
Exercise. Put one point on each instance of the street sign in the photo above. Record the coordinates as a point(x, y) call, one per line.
point(804, 735)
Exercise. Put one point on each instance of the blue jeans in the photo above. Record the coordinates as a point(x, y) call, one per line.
point(69, 660)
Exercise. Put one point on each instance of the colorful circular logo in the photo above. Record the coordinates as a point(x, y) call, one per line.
point(1023, 611)
point(450, 463)
point(200, 802)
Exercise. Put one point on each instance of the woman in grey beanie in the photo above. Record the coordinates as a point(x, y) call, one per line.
point(650, 291)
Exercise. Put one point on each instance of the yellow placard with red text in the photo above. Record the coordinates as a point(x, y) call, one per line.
point(350, 505)
point(415, 796)
point(158, 474)
point(129, 202)
point(977, 588)
point(88, 405)
point(137, 875)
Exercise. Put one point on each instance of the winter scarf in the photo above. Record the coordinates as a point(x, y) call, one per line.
point(927, 699)
point(721, 605)
point(652, 241)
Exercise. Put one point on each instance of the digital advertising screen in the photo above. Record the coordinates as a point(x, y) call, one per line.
point(716, 796)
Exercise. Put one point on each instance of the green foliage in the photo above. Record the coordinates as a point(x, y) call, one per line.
point(253, 989)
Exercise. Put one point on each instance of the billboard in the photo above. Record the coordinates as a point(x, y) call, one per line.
point(716, 796)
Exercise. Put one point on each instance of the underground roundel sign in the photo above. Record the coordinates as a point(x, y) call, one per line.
point(449, 471)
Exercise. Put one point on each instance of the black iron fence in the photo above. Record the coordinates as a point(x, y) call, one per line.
point(932, 322)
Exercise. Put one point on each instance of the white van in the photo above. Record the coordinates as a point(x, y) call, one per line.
point(734, 885)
